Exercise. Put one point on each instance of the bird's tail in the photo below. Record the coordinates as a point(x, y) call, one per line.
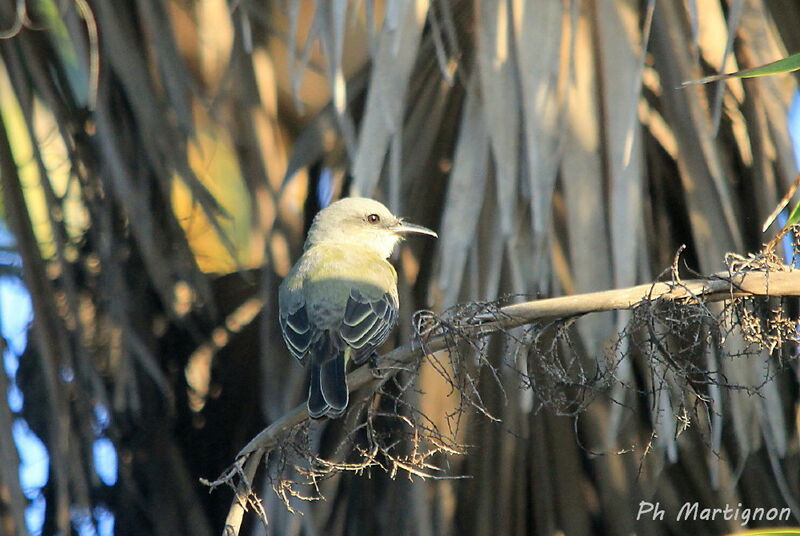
point(327, 391)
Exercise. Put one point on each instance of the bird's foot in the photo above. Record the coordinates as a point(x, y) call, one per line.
point(373, 366)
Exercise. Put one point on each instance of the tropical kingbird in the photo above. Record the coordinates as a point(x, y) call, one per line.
point(339, 301)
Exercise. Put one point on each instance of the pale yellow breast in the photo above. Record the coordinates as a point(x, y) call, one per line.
point(326, 274)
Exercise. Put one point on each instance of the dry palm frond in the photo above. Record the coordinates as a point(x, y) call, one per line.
point(548, 142)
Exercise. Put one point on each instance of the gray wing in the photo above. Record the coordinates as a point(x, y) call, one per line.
point(296, 328)
point(367, 323)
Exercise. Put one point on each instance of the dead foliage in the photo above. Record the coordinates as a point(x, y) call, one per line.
point(670, 341)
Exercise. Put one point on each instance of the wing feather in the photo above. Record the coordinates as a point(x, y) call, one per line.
point(367, 322)
point(297, 332)
point(356, 312)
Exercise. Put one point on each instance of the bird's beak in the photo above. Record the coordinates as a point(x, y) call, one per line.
point(405, 227)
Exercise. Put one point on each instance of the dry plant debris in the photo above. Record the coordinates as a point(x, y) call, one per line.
point(677, 337)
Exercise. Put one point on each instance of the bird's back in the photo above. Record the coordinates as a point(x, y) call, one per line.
point(325, 278)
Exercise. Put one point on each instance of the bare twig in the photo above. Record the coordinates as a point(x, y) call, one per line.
point(718, 287)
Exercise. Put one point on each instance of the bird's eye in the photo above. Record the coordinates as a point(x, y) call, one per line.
point(373, 218)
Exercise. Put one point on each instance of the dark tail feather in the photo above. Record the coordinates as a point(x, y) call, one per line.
point(333, 382)
point(327, 391)
point(317, 407)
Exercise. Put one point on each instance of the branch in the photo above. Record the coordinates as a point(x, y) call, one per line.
point(718, 287)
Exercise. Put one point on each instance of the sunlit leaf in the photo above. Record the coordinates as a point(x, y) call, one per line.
point(785, 65)
point(794, 531)
point(794, 215)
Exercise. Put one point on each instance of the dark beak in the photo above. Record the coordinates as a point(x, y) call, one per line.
point(405, 228)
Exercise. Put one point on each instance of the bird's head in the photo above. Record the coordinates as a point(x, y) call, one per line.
point(361, 222)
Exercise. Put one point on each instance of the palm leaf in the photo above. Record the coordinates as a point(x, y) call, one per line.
point(786, 65)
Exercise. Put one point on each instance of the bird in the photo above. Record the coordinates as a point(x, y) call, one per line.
point(338, 303)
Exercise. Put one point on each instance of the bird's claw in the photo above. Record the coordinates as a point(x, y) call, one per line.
point(373, 366)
